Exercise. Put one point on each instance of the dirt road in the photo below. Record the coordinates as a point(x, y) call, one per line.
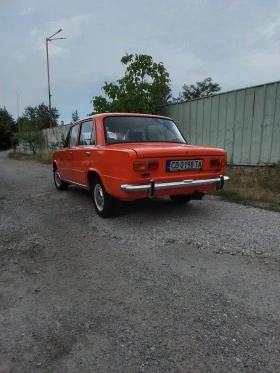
point(160, 288)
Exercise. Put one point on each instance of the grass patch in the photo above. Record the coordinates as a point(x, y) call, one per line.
point(255, 186)
point(42, 158)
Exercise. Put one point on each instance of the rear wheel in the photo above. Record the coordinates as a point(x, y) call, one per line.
point(103, 203)
point(180, 199)
point(59, 184)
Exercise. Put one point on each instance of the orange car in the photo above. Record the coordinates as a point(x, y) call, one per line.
point(127, 156)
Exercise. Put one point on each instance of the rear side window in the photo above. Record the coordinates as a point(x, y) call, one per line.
point(72, 136)
point(87, 134)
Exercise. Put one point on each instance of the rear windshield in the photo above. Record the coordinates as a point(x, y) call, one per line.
point(140, 129)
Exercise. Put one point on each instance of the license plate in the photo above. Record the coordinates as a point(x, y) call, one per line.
point(184, 164)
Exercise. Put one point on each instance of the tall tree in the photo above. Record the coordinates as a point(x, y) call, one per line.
point(40, 114)
point(75, 116)
point(7, 127)
point(202, 89)
point(145, 88)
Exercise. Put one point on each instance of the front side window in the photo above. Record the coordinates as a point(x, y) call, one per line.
point(140, 129)
point(87, 134)
point(72, 136)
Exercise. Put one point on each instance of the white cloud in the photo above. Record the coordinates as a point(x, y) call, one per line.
point(235, 4)
point(27, 11)
point(33, 32)
point(270, 29)
point(263, 60)
point(71, 28)
point(20, 56)
point(266, 33)
point(198, 2)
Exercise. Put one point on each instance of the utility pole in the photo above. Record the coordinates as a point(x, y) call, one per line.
point(48, 68)
point(17, 114)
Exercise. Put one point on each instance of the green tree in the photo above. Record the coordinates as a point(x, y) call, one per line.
point(202, 89)
point(40, 114)
point(75, 116)
point(7, 127)
point(30, 134)
point(145, 88)
point(31, 123)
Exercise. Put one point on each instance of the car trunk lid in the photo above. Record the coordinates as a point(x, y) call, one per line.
point(167, 150)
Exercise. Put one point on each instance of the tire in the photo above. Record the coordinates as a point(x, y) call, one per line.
point(59, 184)
point(103, 203)
point(180, 199)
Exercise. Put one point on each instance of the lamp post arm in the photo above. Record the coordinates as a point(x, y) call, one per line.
point(55, 39)
point(55, 33)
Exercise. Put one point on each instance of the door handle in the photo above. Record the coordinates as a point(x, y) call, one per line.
point(70, 153)
point(88, 154)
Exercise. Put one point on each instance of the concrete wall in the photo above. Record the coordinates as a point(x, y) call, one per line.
point(245, 122)
point(54, 137)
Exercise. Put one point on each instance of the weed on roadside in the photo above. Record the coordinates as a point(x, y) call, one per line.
point(256, 186)
point(42, 158)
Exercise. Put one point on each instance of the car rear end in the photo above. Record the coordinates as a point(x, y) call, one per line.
point(200, 171)
point(160, 161)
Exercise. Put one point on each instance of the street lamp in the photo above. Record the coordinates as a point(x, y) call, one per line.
point(51, 38)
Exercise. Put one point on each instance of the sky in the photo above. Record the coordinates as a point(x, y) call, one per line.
point(236, 42)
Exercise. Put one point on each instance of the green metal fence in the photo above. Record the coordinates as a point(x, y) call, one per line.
point(245, 122)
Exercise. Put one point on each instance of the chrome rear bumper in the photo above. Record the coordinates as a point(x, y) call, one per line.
point(152, 186)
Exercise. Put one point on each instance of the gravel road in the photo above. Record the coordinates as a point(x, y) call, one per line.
point(160, 288)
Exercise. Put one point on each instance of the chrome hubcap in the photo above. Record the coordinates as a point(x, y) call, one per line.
point(99, 197)
point(57, 178)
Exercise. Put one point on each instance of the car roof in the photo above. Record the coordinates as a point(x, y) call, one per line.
point(103, 115)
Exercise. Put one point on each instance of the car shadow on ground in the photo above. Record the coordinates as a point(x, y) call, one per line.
point(156, 207)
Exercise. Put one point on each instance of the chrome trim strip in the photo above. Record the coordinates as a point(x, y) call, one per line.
point(72, 182)
point(176, 184)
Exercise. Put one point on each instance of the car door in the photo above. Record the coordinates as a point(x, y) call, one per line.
point(68, 152)
point(83, 152)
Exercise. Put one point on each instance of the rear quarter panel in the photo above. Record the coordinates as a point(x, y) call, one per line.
point(115, 167)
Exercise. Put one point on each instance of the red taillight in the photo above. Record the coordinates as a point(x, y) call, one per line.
point(152, 165)
point(143, 166)
point(140, 166)
point(217, 163)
